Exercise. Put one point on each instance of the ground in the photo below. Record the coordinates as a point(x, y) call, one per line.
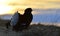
point(33, 30)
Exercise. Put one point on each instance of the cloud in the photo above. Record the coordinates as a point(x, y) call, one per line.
point(56, 3)
point(43, 4)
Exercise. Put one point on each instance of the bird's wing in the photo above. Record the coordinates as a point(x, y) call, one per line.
point(14, 19)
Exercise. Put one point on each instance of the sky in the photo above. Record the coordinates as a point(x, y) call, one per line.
point(11, 6)
point(43, 10)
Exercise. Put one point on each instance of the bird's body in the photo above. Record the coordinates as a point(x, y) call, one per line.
point(26, 19)
point(24, 22)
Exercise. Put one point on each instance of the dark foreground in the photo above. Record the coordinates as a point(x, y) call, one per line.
point(33, 30)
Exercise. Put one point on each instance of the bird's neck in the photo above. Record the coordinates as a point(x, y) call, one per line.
point(27, 13)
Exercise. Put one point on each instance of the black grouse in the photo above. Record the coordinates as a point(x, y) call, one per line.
point(24, 20)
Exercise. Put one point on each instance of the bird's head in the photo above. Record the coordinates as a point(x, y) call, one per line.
point(28, 10)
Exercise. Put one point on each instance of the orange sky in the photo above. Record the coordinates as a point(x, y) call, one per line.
point(10, 6)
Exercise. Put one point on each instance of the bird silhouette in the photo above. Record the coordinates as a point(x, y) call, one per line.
point(23, 20)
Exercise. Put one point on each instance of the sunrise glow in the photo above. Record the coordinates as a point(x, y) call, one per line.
point(11, 6)
point(4, 9)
